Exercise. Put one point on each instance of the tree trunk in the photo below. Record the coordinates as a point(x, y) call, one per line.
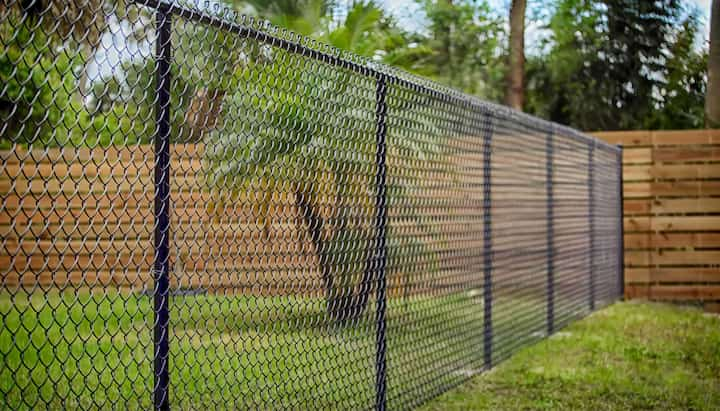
point(203, 114)
point(515, 91)
point(345, 304)
point(712, 95)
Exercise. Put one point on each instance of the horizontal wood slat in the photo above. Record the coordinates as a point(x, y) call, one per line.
point(672, 240)
point(634, 275)
point(643, 138)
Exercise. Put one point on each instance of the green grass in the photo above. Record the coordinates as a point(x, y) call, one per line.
point(70, 350)
point(73, 349)
point(630, 356)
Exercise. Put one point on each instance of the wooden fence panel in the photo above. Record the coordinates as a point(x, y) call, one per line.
point(672, 214)
point(84, 218)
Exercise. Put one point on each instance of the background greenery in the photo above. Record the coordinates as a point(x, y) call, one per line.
point(600, 65)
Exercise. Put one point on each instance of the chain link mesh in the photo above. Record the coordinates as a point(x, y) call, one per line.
point(204, 211)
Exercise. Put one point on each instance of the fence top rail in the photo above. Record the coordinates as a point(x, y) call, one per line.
point(231, 21)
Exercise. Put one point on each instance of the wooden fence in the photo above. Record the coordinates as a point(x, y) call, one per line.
point(672, 214)
point(84, 217)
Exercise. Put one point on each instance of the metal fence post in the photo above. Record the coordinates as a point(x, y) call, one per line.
point(380, 251)
point(621, 224)
point(550, 233)
point(162, 213)
point(591, 206)
point(487, 243)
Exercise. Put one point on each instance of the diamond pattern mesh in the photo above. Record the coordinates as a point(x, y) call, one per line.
point(199, 210)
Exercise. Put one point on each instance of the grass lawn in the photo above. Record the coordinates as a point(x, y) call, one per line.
point(94, 351)
point(76, 350)
point(630, 356)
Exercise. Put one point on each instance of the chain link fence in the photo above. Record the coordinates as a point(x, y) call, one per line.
point(199, 210)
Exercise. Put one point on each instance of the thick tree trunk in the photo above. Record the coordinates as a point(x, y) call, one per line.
point(712, 96)
point(515, 91)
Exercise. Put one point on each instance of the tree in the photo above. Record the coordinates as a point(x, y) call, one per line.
point(712, 97)
point(682, 89)
point(46, 46)
point(36, 65)
point(609, 63)
point(288, 147)
point(461, 48)
point(515, 89)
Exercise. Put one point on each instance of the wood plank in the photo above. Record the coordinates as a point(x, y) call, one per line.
point(685, 205)
point(637, 258)
point(637, 241)
point(89, 278)
point(675, 154)
point(108, 185)
point(637, 173)
point(712, 307)
point(684, 188)
point(684, 275)
point(98, 155)
point(636, 138)
point(641, 291)
point(96, 261)
point(637, 190)
point(625, 138)
point(636, 206)
point(685, 137)
point(682, 171)
point(685, 292)
point(638, 156)
point(126, 169)
point(683, 223)
point(637, 275)
point(671, 189)
point(671, 257)
point(672, 240)
point(636, 224)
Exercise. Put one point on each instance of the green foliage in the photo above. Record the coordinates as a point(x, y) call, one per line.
point(192, 44)
point(462, 47)
point(33, 76)
point(285, 142)
point(619, 64)
point(40, 105)
point(685, 83)
point(306, 17)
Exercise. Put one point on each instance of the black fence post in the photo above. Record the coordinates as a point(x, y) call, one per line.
point(381, 251)
point(487, 243)
point(550, 233)
point(621, 225)
point(162, 213)
point(591, 206)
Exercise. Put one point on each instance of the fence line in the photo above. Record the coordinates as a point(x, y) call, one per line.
point(327, 232)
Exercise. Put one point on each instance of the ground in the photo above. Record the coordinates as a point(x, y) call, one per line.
point(71, 350)
point(630, 356)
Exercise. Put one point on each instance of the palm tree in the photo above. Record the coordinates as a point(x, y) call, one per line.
point(287, 146)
